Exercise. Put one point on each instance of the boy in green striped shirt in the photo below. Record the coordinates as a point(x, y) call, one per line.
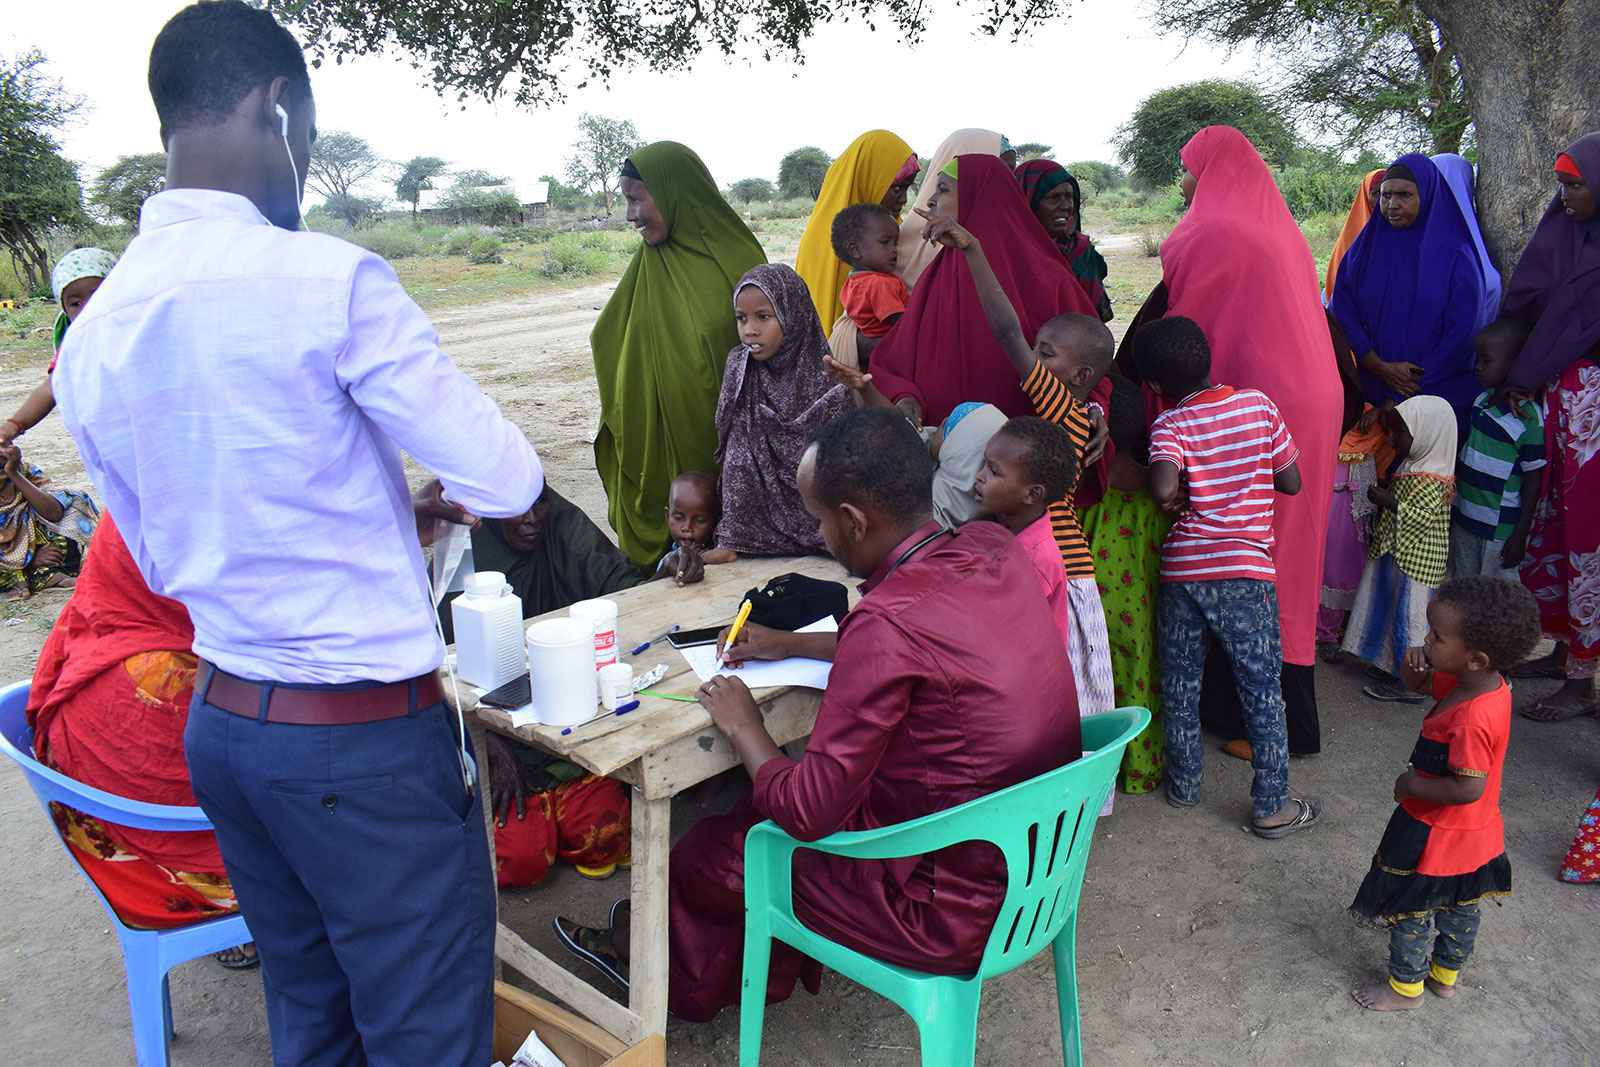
point(1500, 470)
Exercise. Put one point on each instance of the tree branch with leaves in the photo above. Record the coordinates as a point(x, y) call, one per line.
point(39, 188)
point(339, 162)
point(596, 162)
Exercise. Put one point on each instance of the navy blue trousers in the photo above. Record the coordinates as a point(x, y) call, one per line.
point(362, 867)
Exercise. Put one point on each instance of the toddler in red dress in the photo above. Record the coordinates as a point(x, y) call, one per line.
point(1444, 848)
point(865, 236)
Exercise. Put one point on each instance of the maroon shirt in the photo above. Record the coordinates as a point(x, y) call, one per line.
point(950, 683)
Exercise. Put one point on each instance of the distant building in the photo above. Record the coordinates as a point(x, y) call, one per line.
point(534, 198)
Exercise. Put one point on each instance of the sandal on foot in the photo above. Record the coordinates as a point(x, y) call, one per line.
point(1308, 815)
point(1553, 709)
point(1175, 802)
point(237, 959)
point(1543, 667)
point(1239, 748)
point(593, 947)
point(1392, 694)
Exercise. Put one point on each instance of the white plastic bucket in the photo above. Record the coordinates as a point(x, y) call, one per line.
point(561, 671)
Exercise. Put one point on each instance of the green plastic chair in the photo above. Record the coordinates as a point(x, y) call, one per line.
point(1043, 827)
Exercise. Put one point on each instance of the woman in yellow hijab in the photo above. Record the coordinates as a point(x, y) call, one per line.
point(878, 167)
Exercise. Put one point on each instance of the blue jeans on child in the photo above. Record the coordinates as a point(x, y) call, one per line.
point(1457, 931)
point(1242, 613)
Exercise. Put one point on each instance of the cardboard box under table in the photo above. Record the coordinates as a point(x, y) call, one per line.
point(661, 749)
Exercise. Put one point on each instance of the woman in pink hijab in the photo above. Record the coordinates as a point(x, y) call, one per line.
point(1239, 266)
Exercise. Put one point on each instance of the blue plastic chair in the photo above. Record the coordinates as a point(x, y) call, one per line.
point(1043, 827)
point(147, 955)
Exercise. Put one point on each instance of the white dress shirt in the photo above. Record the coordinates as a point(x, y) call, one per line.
point(240, 395)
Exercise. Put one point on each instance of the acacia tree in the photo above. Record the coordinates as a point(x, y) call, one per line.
point(1378, 73)
point(416, 175)
point(1028, 150)
point(597, 158)
point(39, 188)
point(801, 173)
point(122, 188)
point(751, 190)
point(1527, 69)
point(339, 162)
point(1149, 142)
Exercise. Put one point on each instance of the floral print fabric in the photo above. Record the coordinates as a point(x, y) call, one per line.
point(1125, 530)
point(1562, 568)
point(1583, 858)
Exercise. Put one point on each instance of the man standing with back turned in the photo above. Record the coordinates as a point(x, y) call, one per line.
point(241, 393)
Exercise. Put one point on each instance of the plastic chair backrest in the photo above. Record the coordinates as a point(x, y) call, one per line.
point(1044, 827)
point(16, 742)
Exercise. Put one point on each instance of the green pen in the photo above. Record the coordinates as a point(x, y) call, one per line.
point(669, 696)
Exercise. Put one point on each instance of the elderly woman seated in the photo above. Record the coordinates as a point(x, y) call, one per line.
point(545, 809)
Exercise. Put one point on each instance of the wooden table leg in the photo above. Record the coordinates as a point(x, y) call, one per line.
point(647, 943)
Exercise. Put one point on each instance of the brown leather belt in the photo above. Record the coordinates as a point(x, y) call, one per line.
point(321, 707)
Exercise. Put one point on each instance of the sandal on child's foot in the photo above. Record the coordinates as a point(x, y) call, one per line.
point(1308, 812)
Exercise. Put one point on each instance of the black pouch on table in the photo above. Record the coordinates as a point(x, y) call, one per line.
point(791, 601)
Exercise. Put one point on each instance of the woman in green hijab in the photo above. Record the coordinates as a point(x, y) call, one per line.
point(660, 343)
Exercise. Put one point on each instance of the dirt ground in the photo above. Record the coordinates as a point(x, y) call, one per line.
point(1198, 943)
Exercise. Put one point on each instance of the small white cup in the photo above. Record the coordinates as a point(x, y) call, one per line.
point(616, 685)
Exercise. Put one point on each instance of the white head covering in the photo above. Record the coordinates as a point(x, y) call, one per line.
point(960, 456)
point(80, 263)
point(1432, 422)
point(915, 253)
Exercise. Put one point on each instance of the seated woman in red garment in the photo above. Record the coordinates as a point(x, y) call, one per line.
point(940, 353)
point(108, 704)
point(924, 711)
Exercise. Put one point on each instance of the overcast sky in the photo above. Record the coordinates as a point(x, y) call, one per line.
point(1070, 85)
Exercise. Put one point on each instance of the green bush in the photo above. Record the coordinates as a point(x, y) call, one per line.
point(485, 250)
point(796, 208)
point(460, 242)
point(391, 240)
point(570, 255)
point(1319, 190)
point(1150, 243)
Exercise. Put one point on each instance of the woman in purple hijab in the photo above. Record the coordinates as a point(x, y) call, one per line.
point(1462, 179)
point(776, 393)
point(1411, 291)
point(1555, 294)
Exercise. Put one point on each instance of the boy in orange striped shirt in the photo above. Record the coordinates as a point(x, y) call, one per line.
point(1071, 355)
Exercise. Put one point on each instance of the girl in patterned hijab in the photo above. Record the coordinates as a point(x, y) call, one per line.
point(776, 394)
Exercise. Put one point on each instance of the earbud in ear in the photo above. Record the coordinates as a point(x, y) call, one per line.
point(283, 117)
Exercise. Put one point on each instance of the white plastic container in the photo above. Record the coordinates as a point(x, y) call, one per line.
point(562, 674)
point(616, 685)
point(488, 624)
point(601, 616)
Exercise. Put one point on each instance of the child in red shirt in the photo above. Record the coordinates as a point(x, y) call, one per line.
point(866, 237)
point(1444, 848)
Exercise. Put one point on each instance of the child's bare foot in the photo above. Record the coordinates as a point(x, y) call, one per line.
point(1380, 996)
point(1439, 989)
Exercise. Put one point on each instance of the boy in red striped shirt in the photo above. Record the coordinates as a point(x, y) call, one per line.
point(1216, 460)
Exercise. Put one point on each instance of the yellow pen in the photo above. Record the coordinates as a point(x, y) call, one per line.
point(733, 632)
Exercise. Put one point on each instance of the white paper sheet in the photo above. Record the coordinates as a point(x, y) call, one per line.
point(757, 674)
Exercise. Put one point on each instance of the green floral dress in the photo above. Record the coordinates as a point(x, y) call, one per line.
point(1125, 530)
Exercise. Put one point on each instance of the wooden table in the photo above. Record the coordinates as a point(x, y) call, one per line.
point(661, 749)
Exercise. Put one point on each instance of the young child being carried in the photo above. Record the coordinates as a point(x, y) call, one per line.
point(693, 509)
point(43, 533)
point(1071, 354)
point(1216, 460)
point(866, 236)
point(1444, 848)
point(1500, 469)
point(1028, 464)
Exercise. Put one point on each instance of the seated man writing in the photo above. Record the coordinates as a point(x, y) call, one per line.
point(949, 682)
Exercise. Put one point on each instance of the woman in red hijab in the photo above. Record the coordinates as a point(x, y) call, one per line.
point(941, 352)
point(1240, 267)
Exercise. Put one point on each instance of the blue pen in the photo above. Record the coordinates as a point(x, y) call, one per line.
point(636, 649)
point(621, 710)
